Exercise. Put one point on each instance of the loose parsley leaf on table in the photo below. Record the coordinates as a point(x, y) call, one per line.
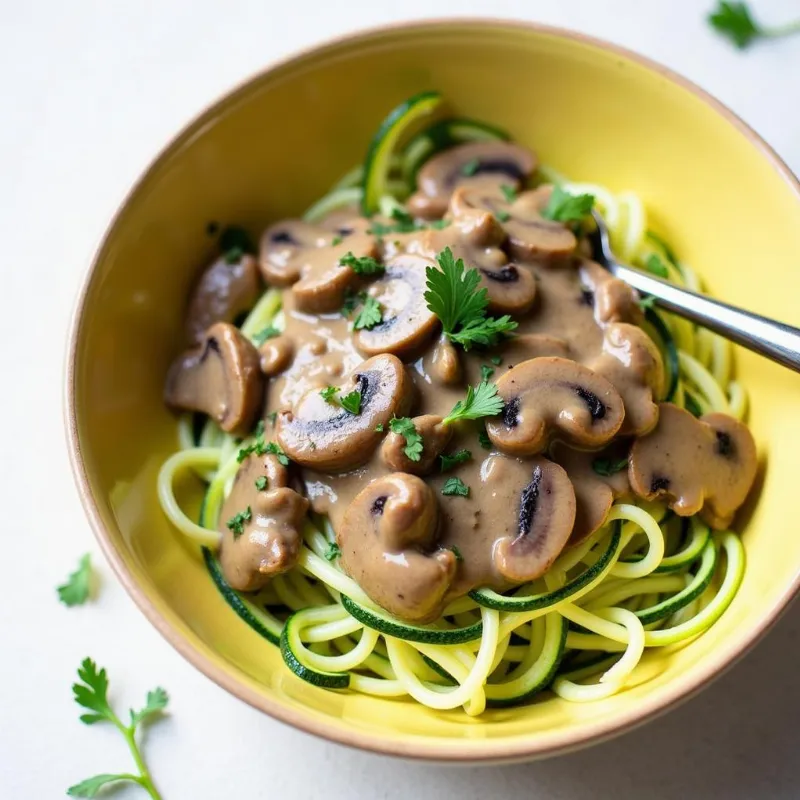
point(76, 590)
point(91, 692)
point(565, 207)
point(403, 426)
point(481, 401)
point(453, 295)
point(735, 22)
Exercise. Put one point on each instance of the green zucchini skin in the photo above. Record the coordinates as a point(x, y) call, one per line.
point(490, 599)
point(408, 632)
point(325, 680)
point(670, 349)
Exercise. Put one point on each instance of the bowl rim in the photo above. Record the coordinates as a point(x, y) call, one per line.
point(486, 751)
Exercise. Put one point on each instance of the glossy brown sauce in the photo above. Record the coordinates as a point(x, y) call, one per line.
point(578, 376)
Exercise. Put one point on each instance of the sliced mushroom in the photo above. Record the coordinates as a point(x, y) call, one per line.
point(531, 237)
point(435, 437)
point(444, 364)
point(704, 465)
point(408, 324)
point(632, 362)
point(554, 397)
point(225, 290)
point(544, 519)
point(282, 246)
point(613, 299)
point(324, 436)
point(220, 377)
point(276, 354)
point(514, 351)
point(473, 164)
point(598, 478)
point(387, 537)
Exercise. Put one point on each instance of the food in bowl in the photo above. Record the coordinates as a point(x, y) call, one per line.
point(447, 455)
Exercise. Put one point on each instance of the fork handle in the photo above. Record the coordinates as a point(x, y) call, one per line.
point(765, 336)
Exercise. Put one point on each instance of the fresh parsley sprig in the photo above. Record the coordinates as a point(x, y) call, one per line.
point(370, 315)
point(350, 402)
point(455, 486)
point(404, 426)
point(565, 207)
point(77, 589)
point(453, 295)
point(91, 692)
point(361, 265)
point(481, 401)
point(736, 23)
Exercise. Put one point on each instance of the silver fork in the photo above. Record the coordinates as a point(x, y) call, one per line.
point(775, 340)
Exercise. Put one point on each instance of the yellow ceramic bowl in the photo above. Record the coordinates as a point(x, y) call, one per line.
point(275, 144)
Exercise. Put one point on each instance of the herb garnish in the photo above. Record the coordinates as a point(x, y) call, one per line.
point(261, 483)
point(565, 207)
point(272, 417)
point(370, 314)
point(457, 553)
point(259, 447)
point(76, 591)
point(333, 552)
point(647, 302)
point(403, 426)
point(502, 216)
point(448, 462)
point(361, 265)
point(269, 332)
point(351, 300)
point(455, 486)
point(484, 440)
point(471, 167)
point(656, 266)
point(351, 402)
point(329, 393)
point(233, 256)
point(336, 240)
point(486, 372)
point(236, 522)
point(481, 401)
point(735, 22)
point(273, 448)
point(92, 693)
point(606, 467)
point(509, 192)
point(453, 295)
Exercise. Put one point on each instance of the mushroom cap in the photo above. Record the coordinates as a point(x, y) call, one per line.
point(613, 299)
point(531, 237)
point(552, 397)
point(495, 162)
point(220, 377)
point(594, 493)
point(704, 465)
point(435, 437)
point(444, 363)
point(408, 324)
point(276, 354)
point(270, 542)
point(545, 518)
point(326, 437)
point(224, 291)
point(281, 244)
point(386, 538)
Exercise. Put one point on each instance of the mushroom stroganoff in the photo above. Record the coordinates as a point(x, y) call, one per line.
point(446, 454)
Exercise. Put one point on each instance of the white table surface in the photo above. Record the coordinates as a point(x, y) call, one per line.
point(89, 91)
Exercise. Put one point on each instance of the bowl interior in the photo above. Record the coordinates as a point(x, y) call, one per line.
point(276, 144)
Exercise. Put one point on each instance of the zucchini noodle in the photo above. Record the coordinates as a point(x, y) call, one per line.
point(646, 579)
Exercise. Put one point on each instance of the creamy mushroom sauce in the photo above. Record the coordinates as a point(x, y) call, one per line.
point(579, 376)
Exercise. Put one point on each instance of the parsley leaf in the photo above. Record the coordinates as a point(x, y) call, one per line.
point(484, 440)
point(448, 462)
point(471, 167)
point(439, 224)
point(273, 448)
point(272, 417)
point(509, 192)
point(329, 393)
point(403, 426)
point(234, 255)
point(236, 522)
point(481, 401)
point(261, 483)
point(351, 300)
point(370, 315)
point(486, 372)
point(455, 486)
point(91, 692)
point(333, 552)
point(269, 332)
point(496, 360)
point(362, 265)
point(502, 216)
point(657, 267)
point(647, 302)
point(606, 467)
point(336, 240)
point(379, 427)
point(565, 207)
point(76, 591)
point(735, 22)
point(351, 402)
point(457, 553)
point(453, 295)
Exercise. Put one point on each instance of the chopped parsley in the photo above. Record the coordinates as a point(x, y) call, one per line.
point(455, 486)
point(329, 393)
point(656, 266)
point(502, 215)
point(496, 360)
point(351, 402)
point(606, 467)
point(361, 265)
point(486, 372)
point(270, 332)
point(509, 192)
point(261, 483)
point(470, 167)
point(457, 553)
point(236, 522)
point(379, 427)
point(351, 300)
point(481, 401)
point(439, 224)
point(484, 440)
point(370, 314)
point(453, 295)
point(565, 207)
point(735, 22)
point(333, 552)
point(273, 448)
point(272, 417)
point(336, 240)
point(403, 426)
point(647, 302)
point(453, 460)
